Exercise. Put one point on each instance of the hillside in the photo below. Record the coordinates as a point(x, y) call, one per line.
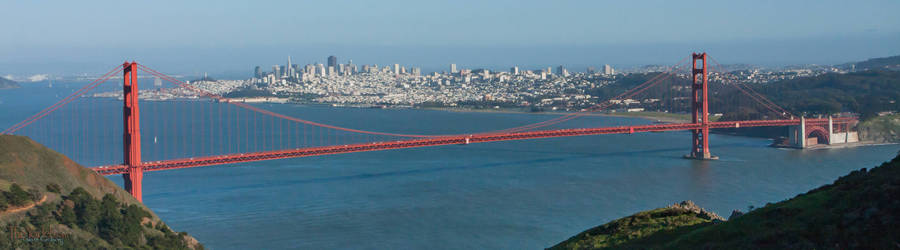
point(80, 207)
point(8, 84)
point(866, 93)
point(857, 211)
point(643, 229)
point(889, 63)
point(881, 129)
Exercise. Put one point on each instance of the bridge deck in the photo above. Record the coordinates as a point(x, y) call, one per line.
point(448, 140)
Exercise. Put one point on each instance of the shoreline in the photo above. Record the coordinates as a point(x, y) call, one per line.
point(646, 115)
point(662, 118)
point(849, 145)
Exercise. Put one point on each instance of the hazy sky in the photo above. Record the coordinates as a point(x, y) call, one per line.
point(232, 36)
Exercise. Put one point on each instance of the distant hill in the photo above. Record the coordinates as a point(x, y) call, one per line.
point(88, 209)
point(883, 63)
point(863, 92)
point(857, 211)
point(8, 84)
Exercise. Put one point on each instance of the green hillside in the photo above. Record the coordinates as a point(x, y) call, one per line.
point(866, 93)
point(880, 129)
point(644, 229)
point(72, 203)
point(857, 211)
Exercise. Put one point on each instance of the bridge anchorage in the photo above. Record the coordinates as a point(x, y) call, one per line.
point(814, 132)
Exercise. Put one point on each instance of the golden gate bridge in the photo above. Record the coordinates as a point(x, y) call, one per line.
point(222, 130)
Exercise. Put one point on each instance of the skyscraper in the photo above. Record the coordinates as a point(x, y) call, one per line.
point(607, 70)
point(288, 69)
point(453, 68)
point(561, 71)
point(514, 70)
point(257, 72)
point(332, 61)
point(351, 68)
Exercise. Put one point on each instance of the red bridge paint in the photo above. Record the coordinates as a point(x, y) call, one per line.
point(132, 140)
point(476, 138)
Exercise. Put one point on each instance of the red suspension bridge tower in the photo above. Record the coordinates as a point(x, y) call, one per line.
point(132, 137)
point(700, 108)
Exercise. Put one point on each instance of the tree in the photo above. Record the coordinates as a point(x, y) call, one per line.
point(67, 216)
point(4, 204)
point(53, 188)
point(34, 194)
point(87, 210)
point(17, 196)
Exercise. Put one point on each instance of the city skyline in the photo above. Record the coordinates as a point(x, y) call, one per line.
point(452, 68)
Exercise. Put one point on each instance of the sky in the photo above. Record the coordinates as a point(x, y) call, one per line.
point(231, 37)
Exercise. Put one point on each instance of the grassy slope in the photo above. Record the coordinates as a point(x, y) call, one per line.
point(860, 211)
point(30, 164)
point(643, 229)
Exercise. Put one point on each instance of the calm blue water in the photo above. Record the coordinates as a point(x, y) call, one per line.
point(504, 195)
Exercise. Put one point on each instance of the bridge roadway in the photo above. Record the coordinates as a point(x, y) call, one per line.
point(447, 140)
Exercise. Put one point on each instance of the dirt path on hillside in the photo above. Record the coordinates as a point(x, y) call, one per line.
point(29, 206)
